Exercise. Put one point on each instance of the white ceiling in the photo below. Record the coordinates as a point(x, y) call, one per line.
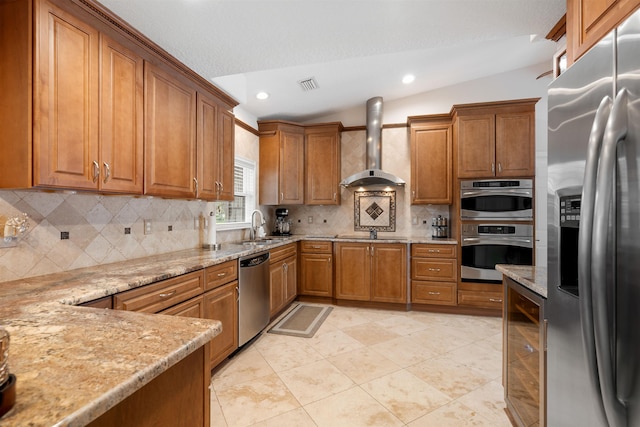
point(355, 49)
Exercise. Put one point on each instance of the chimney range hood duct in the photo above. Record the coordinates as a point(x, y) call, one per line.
point(373, 175)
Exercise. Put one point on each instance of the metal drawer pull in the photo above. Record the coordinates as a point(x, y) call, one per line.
point(495, 300)
point(168, 294)
point(434, 293)
point(434, 269)
point(107, 172)
point(222, 274)
point(316, 247)
point(437, 251)
point(96, 171)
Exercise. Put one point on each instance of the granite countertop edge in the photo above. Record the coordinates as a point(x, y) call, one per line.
point(533, 278)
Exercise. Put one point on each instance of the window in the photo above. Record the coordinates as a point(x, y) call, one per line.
point(237, 214)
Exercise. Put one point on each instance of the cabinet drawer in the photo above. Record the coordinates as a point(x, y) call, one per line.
point(220, 274)
point(434, 269)
point(480, 299)
point(282, 252)
point(440, 293)
point(433, 251)
point(319, 247)
point(158, 296)
point(191, 308)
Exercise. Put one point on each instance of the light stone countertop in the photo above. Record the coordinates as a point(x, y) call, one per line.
point(531, 277)
point(74, 363)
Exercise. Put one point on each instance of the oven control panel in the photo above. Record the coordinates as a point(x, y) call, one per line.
point(570, 211)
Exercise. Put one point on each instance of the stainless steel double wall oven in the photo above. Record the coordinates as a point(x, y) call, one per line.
point(497, 218)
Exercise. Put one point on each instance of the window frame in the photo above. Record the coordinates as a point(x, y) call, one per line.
point(249, 164)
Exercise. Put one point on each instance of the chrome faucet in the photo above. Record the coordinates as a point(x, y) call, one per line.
point(373, 234)
point(253, 229)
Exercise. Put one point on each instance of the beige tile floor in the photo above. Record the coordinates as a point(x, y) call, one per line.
point(368, 367)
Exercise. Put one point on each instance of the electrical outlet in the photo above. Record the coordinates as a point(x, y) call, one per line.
point(196, 223)
point(310, 219)
point(147, 226)
point(414, 220)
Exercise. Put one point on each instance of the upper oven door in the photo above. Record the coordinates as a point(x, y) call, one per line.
point(502, 203)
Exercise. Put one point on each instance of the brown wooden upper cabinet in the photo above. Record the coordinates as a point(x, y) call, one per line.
point(216, 148)
point(495, 139)
point(87, 108)
point(431, 159)
point(85, 93)
point(281, 173)
point(589, 20)
point(322, 164)
point(170, 135)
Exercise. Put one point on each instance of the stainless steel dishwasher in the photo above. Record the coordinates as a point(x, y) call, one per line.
point(253, 296)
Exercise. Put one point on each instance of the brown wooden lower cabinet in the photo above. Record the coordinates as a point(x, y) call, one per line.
point(316, 268)
point(283, 277)
point(222, 304)
point(210, 293)
point(178, 397)
point(375, 272)
point(434, 270)
point(480, 295)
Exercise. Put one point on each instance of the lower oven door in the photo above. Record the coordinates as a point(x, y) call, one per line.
point(481, 254)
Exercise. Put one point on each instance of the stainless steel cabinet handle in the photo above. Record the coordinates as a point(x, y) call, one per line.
point(96, 171)
point(413, 194)
point(195, 183)
point(437, 251)
point(107, 172)
point(281, 196)
point(335, 196)
point(434, 269)
point(434, 293)
point(493, 168)
point(495, 299)
point(499, 167)
point(222, 274)
point(167, 294)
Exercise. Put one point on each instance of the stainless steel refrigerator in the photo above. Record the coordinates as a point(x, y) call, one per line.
point(593, 305)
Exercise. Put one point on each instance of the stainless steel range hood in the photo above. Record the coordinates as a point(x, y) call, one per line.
point(373, 175)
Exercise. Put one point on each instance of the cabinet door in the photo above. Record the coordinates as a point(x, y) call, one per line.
point(431, 165)
point(170, 135)
point(66, 101)
point(291, 179)
point(208, 147)
point(515, 144)
point(316, 275)
point(389, 273)
point(589, 20)
point(121, 119)
point(276, 285)
point(222, 304)
point(322, 168)
point(476, 146)
point(291, 279)
point(226, 143)
point(353, 271)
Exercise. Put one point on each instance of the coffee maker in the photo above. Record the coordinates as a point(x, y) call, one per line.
point(283, 224)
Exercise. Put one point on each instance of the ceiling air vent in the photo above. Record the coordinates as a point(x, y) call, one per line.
point(308, 84)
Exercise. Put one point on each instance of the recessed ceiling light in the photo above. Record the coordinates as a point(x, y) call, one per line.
point(262, 95)
point(409, 78)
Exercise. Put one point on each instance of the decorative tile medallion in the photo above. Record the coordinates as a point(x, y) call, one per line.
point(374, 210)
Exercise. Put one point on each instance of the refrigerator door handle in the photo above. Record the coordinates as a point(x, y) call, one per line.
point(585, 234)
point(604, 211)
